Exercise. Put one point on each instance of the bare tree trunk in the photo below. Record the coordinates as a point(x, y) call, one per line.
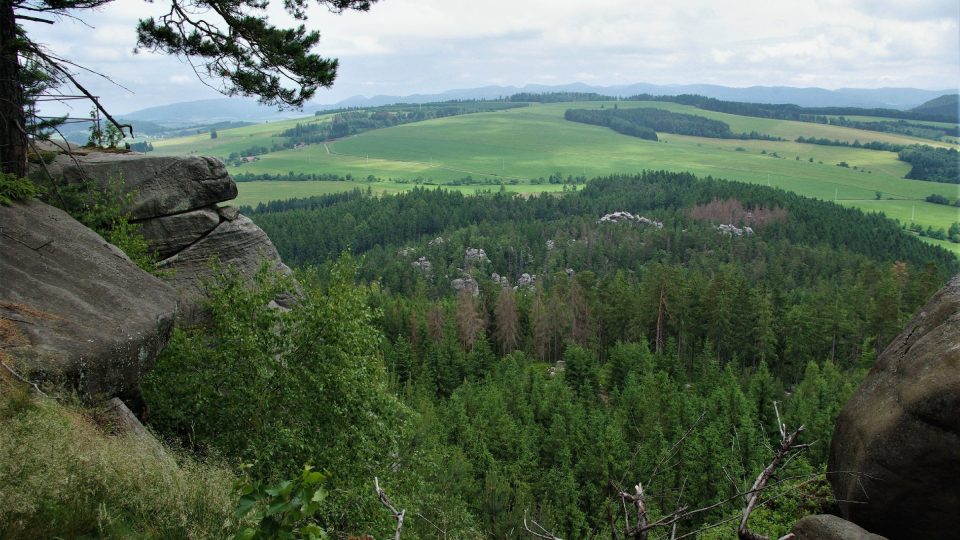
point(13, 138)
point(660, 314)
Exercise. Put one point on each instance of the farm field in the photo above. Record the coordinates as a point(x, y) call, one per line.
point(519, 145)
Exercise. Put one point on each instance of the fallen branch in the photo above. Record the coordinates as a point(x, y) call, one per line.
point(542, 533)
point(787, 447)
point(397, 514)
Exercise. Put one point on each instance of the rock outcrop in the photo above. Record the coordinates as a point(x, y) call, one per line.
point(237, 244)
point(73, 308)
point(175, 199)
point(895, 455)
point(827, 527)
point(160, 186)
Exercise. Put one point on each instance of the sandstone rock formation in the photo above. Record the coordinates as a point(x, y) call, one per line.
point(237, 244)
point(73, 308)
point(827, 527)
point(160, 186)
point(168, 235)
point(895, 456)
point(174, 199)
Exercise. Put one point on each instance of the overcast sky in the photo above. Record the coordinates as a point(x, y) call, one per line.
point(403, 47)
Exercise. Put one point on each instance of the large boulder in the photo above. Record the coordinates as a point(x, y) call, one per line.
point(895, 456)
point(174, 200)
point(73, 308)
point(168, 235)
point(237, 246)
point(827, 527)
point(160, 186)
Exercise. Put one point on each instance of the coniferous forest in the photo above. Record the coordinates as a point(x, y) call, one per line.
point(493, 358)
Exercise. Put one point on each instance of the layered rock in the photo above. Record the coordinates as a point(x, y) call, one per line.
point(73, 308)
point(238, 244)
point(175, 199)
point(168, 235)
point(160, 186)
point(895, 455)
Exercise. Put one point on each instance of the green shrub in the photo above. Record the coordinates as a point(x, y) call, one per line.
point(13, 188)
point(283, 510)
point(63, 476)
point(279, 389)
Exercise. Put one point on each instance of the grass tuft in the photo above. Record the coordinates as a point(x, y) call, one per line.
point(62, 475)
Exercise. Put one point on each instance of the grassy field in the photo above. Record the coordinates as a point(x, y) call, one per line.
point(253, 193)
point(519, 145)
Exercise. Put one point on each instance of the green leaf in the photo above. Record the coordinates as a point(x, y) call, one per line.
point(247, 502)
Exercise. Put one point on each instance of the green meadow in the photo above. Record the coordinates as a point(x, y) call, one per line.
point(519, 145)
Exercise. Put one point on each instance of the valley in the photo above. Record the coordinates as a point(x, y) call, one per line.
point(518, 147)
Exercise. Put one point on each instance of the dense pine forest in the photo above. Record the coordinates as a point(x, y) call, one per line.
point(495, 357)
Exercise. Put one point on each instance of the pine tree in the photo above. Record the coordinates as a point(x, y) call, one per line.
point(230, 41)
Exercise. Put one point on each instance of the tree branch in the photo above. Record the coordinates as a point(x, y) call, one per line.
point(397, 514)
point(787, 446)
point(542, 533)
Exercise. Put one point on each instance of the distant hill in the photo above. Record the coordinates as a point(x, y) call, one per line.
point(884, 98)
point(946, 106)
point(209, 111)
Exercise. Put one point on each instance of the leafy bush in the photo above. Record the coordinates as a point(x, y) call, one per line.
point(13, 188)
point(64, 476)
point(284, 509)
point(279, 389)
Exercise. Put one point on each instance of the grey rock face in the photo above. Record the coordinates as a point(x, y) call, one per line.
point(169, 234)
point(73, 308)
point(827, 527)
point(237, 244)
point(467, 284)
point(896, 445)
point(161, 185)
point(175, 201)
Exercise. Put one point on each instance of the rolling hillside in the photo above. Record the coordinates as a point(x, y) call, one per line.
point(520, 146)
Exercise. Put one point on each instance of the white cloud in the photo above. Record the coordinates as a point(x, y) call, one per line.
point(722, 56)
point(411, 46)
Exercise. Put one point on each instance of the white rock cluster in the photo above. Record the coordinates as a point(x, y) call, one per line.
point(476, 255)
point(733, 230)
point(466, 283)
point(627, 217)
point(422, 263)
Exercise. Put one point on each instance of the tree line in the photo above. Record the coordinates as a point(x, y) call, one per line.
point(645, 122)
point(932, 164)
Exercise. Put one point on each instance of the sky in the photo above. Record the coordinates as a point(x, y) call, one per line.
point(403, 47)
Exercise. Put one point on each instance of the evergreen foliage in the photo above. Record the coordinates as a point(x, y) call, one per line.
point(932, 164)
point(636, 353)
point(645, 122)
